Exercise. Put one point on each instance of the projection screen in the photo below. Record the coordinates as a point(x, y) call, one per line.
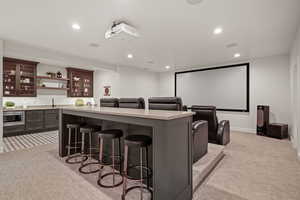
point(225, 87)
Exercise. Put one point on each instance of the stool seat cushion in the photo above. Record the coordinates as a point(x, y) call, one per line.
point(90, 128)
point(138, 140)
point(73, 125)
point(110, 133)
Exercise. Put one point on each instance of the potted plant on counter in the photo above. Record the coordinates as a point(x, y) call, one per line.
point(9, 104)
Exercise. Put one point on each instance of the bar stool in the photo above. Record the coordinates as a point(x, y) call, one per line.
point(74, 146)
point(141, 142)
point(110, 134)
point(89, 131)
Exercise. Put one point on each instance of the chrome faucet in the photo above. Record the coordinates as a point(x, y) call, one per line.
point(53, 105)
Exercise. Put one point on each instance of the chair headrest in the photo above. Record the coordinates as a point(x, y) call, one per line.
point(109, 102)
point(198, 107)
point(138, 103)
point(165, 103)
point(165, 100)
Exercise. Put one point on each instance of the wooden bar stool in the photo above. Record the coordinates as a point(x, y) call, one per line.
point(74, 128)
point(141, 142)
point(110, 160)
point(89, 131)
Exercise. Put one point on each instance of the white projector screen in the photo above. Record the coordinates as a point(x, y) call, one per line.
point(225, 87)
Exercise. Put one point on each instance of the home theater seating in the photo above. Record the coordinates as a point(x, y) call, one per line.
point(205, 126)
point(218, 132)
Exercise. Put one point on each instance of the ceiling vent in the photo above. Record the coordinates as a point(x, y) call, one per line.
point(194, 1)
point(121, 27)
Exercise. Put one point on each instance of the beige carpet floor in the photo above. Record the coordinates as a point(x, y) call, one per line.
point(254, 168)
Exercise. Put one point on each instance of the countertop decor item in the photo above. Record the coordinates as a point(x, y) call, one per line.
point(79, 102)
point(9, 104)
point(58, 74)
point(51, 74)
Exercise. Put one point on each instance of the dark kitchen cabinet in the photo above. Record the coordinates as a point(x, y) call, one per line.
point(51, 119)
point(13, 130)
point(81, 82)
point(34, 119)
point(19, 78)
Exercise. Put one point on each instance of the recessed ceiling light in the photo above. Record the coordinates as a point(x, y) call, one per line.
point(237, 55)
point(218, 31)
point(76, 26)
point(129, 56)
point(167, 67)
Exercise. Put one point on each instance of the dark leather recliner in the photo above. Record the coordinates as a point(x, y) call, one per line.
point(218, 132)
point(200, 139)
point(109, 102)
point(165, 103)
point(137, 103)
point(199, 128)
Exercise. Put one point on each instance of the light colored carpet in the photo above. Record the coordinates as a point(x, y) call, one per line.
point(254, 168)
point(39, 173)
point(15, 143)
point(203, 167)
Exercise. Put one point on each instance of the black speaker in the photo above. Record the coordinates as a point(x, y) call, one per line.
point(262, 119)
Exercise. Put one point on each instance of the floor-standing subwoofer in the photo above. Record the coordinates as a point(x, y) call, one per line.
point(262, 119)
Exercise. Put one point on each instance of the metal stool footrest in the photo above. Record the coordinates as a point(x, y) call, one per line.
point(137, 187)
point(87, 165)
point(114, 173)
point(110, 174)
point(78, 155)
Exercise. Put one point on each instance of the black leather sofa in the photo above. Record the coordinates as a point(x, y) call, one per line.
point(218, 132)
point(199, 128)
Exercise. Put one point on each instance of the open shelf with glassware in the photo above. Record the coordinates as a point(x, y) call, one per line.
point(51, 83)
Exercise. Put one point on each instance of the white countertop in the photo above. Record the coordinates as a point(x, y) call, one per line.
point(140, 113)
point(21, 108)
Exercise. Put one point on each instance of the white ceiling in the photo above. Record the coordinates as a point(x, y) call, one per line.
point(173, 32)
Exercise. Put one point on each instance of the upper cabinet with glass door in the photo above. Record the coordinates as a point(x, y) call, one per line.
point(81, 82)
point(19, 78)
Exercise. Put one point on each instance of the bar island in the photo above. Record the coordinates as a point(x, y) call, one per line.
point(171, 133)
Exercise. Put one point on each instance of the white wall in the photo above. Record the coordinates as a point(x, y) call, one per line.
point(44, 96)
point(1, 94)
point(127, 82)
point(295, 94)
point(269, 84)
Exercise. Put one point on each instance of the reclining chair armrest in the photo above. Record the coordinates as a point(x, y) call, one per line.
point(197, 125)
point(223, 135)
point(184, 108)
point(200, 139)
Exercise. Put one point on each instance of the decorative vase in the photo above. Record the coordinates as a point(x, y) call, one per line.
point(58, 74)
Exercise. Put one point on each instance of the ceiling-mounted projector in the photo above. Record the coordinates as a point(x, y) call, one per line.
point(121, 27)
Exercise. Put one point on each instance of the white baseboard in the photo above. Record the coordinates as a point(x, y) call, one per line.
point(246, 130)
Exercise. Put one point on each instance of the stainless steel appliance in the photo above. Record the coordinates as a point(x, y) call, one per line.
point(13, 118)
